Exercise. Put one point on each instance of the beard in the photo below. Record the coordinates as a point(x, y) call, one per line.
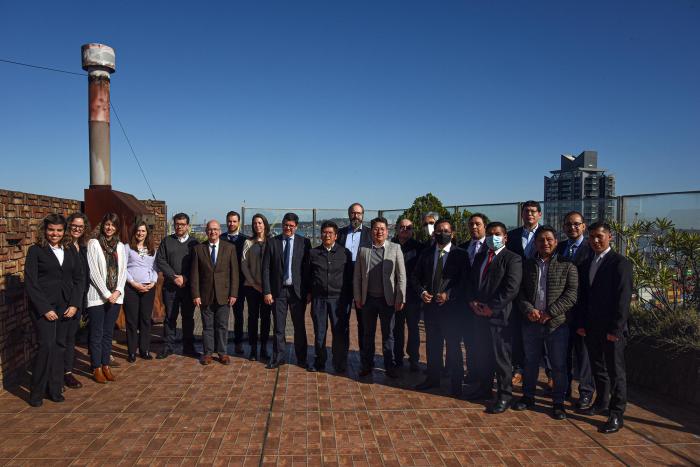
point(356, 223)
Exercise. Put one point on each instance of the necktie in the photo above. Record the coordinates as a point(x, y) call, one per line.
point(571, 250)
point(488, 263)
point(213, 255)
point(437, 277)
point(287, 259)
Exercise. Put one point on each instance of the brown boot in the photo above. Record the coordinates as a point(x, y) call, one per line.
point(108, 373)
point(99, 376)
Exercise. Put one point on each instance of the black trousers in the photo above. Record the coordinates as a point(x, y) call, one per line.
point(518, 352)
point(257, 311)
point(47, 375)
point(102, 320)
point(360, 328)
point(214, 328)
point(608, 365)
point(469, 336)
point(138, 310)
point(577, 362)
point(408, 317)
point(178, 301)
point(335, 310)
point(443, 329)
point(238, 317)
point(73, 325)
point(288, 300)
point(492, 355)
point(377, 308)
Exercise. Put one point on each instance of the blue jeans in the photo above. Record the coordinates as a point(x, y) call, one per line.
point(557, 342)
point(334, 309)
point(102, 320)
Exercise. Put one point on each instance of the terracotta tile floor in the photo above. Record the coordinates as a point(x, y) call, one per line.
point(176, 412)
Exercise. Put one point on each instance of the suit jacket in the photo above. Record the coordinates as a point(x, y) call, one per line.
point(411, 251)
point(273, 266)
point(365, 236)
point(605, 304)
point(453, 272)
point(500, 286)
point(393, 272)
point(51, 286)
point(562, 290)
point(582, 253)
point(515, 243)
point(214, 284)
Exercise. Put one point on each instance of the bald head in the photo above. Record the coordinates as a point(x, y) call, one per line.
point(213, 231)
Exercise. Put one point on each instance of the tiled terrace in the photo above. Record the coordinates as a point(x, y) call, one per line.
point(176, 412)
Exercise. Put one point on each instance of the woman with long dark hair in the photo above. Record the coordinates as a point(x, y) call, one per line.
point(54, 282)
point(140, 291)
point(78, 233)
point(251, 265)
point(107, 261)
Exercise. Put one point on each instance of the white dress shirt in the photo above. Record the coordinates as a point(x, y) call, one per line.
point(58, 251)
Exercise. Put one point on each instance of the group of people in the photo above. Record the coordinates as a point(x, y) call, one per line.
point(509, 298)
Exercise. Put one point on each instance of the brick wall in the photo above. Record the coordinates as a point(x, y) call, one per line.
point(20, 214)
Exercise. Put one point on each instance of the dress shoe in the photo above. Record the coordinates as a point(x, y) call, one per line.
point(272, 364)
point(164, 354)
point(206, 359)
point(253, 356)
point(517, 379)
point(70, 381)
point(427, 384)
point(131, 358)
point(98, 376)
point(523, 403)
point(303, 365)
point(58, 398)
point(311, 369)
point(456, 391)
point(146, 356)
point(392, 373)
point(340, 370)
point(595, 409)
point(365, 372)
point(584, 402)
point(36, 403)
point(558, 412)
point(107, 371)
point(415, 367)
point(500, 406)
point(613, 424)
point(224, 359)
point(239, 349)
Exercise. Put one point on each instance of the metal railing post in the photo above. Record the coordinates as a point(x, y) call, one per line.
point(313, 227)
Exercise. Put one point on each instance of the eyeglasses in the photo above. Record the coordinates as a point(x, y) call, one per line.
point(405, 227)
point(288, 226)
point(77, 227)
point(573, 224)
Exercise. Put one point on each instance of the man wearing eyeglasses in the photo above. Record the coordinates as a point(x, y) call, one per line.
point(285, 271)
point(410, 315)
point(577, 250)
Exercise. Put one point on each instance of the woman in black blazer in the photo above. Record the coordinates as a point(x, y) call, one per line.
point(78, 235)
point(54, 283)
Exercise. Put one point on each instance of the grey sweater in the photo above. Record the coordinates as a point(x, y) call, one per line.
point(173, 257)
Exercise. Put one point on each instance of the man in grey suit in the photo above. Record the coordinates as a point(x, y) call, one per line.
point(379, 286)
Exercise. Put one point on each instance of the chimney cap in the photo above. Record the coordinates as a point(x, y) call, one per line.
point(98, 56)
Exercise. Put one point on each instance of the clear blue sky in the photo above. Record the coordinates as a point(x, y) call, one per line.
point(316, 104)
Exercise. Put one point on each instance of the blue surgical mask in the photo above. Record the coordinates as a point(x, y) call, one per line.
point(494, 242)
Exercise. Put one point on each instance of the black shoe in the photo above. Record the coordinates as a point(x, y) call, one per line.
point(558, 412)
point(613, 424)
point(595, 409)
point(523, 403)
point(365, 372)
point(164, 354)
point(58, 398)
point(131, 358)
point(340, 370)
point(584, 402)
point(253, 356)
point(456, 391)
point(70, 381)
point(427, 384)
point(311, 369)
point(37, 403)
point(392, 373)
point(146, 356)
point(500, 406)
point(271, 365)
point(415, 367)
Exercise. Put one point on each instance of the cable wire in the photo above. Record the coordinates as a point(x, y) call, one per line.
point(131, 147)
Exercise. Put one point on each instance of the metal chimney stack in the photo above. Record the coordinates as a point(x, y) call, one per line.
point(99, 62)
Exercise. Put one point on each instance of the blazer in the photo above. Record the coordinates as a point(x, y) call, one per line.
point(453, 272)
point(515, 243)
point(605, 304)
point(411, 251)
point(98, 292)
point(501, 285)
point(562, 290)
point(214, 284)
point(273, 266)
point(51, 286)
point(393, 272)
point(330, 272)
point(582, 253)
point(365, 236)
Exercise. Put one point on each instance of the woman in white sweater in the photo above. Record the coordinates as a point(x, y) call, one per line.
point(106, 257)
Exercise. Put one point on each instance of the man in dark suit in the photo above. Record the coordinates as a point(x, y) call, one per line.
point(522, 242)
point(214, 285)
point(237, 238)
point(577, 250)
point(438, 277)
point(605, 301)
point(285, 271)
point(330, 266)
point(476, 244)
point(353, 236)
point(495, 283)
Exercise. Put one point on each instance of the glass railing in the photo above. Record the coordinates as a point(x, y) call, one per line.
point(683, 209)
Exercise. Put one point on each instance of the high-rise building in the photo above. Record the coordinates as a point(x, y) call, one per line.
point(579, 185)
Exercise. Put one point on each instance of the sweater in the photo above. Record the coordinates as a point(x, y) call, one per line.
point(251, 262)
point(174, 257)
point(98, 292)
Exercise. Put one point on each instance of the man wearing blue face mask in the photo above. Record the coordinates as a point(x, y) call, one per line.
point(494, 284)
